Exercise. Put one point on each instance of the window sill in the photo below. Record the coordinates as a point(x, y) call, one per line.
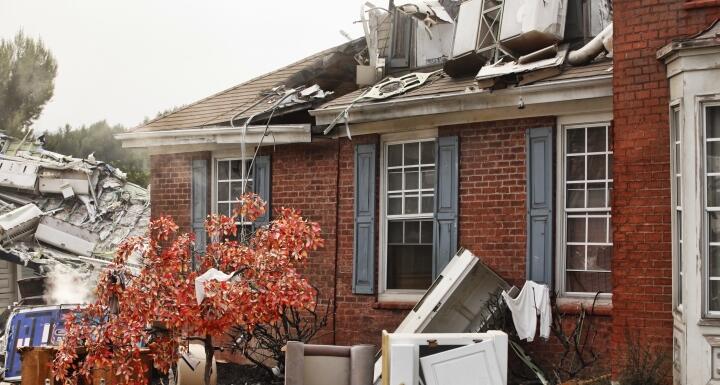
point(386, 305)
point(573, 305)
point(714, 322)
point(696, 4)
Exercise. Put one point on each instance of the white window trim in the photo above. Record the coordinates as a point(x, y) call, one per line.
point(676, 134)
point(220, 156)
point(703, 105)
point(564, 122)
point(385, 295)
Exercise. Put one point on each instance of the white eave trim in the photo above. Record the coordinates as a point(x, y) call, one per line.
point(533, 94)
point(280, 134)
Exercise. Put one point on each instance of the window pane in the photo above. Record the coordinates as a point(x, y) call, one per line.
point(678, 189)
point(426, 232)
point(223, 191)
point(714, 226)
point(714, 295)
point(223, 170)
point(678, 163)
point(394, 155)
point(236, 169)
point(575, 168)
point(427, 204)
point(713, 191)
point(589, 282)
point(575, 140)
point(428, 178)
point(596, 167)
point(712, 120)
point(428, 152)
point(395, 180)
point(412, 231)
point(713, 157)
point(575, 196)
point(395, 232)
point(576, 230)
point(394, 206)
point(411, 180)
point(610, 166)
point(714, 260)
point(599, 257)
point(409, 267)
point(596, 139)
point(411, 204)
point(235, 190)
point(575, 257)
point(596, 195)
point(412, 155)
point(224, 209)
point(597, 230)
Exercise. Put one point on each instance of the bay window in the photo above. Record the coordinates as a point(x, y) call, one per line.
point(711, 120)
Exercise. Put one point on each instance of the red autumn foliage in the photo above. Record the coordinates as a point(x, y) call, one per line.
point(151, 281)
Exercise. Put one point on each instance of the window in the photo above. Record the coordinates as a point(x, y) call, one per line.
point(712, 204)
point(676, 175)
point(229, 186)
point(409, 193)
point(587, 184)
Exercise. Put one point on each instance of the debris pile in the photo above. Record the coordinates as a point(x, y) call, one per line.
point(60, 210)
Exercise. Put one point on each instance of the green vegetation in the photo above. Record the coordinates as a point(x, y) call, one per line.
point(27, 74)
point(98, 139)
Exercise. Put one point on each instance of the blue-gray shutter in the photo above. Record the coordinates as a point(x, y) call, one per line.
point(262, 186)
point(446, 202)
point(198, 195)
point(364, 237)
point(539, 205)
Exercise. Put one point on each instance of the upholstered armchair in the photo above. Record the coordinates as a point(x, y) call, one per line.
point(328, 364)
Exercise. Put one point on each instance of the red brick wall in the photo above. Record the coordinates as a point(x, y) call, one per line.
point(304, 177)
point(642, 267)
point(170, 183)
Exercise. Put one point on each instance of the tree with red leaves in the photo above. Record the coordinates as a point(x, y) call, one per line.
point(146, 299)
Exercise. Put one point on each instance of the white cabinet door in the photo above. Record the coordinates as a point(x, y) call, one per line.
point(475, 364)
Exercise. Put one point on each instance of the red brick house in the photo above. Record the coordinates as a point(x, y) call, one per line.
point(561, 177)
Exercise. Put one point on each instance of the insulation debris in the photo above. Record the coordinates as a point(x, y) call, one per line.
point(525, 73)
point(56, 209)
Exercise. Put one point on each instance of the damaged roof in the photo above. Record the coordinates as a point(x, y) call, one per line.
point(444, 84)
point(59, 209)
point(332, 69)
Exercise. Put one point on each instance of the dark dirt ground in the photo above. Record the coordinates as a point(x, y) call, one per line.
point(234, 374)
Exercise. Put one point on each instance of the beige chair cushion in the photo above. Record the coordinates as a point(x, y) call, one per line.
point(327, 370)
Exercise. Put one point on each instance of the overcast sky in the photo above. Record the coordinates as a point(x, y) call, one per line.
point(123, 60)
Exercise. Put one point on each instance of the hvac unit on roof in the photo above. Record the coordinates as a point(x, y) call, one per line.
point(476, 37)
point(530, 25)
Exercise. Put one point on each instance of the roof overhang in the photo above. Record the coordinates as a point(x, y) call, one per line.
point(279, 134)
point(541, 97)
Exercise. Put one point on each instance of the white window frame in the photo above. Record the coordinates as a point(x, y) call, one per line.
point(703, 106)
point(676, 135)
point(219, 156)
point(385, 295)
point(563, 123)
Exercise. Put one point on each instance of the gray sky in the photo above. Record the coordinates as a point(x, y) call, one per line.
point(123, 60)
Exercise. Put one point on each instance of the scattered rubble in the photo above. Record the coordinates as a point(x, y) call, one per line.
point(60, 210)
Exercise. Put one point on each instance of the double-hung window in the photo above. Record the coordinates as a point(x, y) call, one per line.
point(407, 224)
point(676, 176)
point(229, 187)
point(711, 120)
point(587, 184)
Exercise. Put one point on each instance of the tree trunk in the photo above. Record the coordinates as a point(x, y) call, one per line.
point(209, 353)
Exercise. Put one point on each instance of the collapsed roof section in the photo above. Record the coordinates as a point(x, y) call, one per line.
point(59, 209)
